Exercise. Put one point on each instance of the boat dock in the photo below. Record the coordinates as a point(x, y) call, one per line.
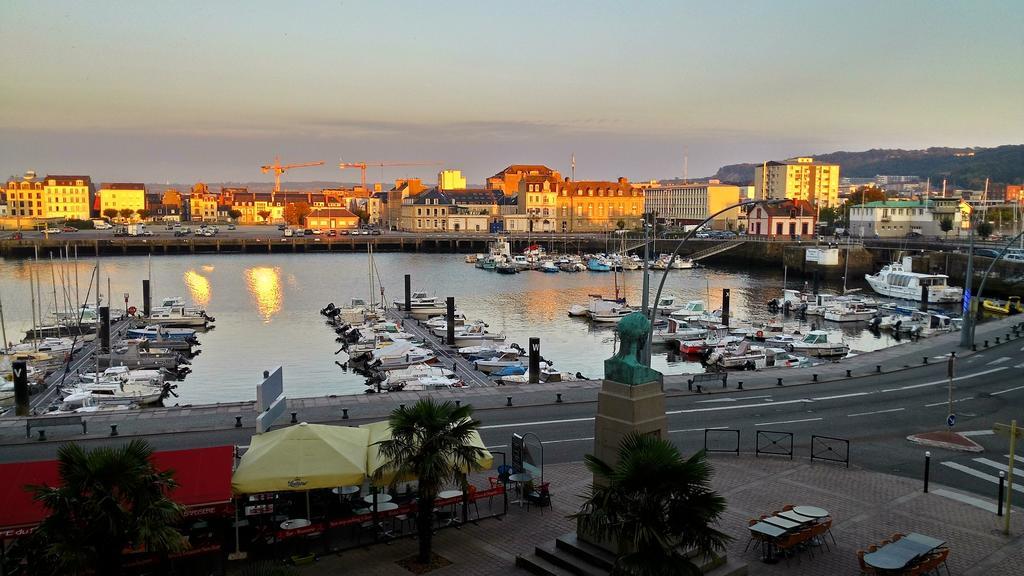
point(83, 361)
point(447, 356)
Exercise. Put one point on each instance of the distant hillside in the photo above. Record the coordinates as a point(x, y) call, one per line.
point(1003, 164)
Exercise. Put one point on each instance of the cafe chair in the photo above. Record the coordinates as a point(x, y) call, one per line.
point(934, 560)
point(789, 544)
point(471, 492)
point(819, 532)
point(896, 536)
point(754, 536)
point(787, 507)
point(872, 548)
point(828, 530)
point(541, 497)
point(864, 568)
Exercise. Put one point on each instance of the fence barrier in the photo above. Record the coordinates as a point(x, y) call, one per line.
point(773, 443)
point(719, 432)
point(830, 449)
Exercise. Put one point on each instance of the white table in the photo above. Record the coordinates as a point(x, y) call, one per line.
point(811, 511)
point(449, 494)
point(294, 524)
point(346, 490)
point(380, 498)
point(518, 479)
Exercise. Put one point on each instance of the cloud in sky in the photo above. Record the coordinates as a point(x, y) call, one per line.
point(190, 90)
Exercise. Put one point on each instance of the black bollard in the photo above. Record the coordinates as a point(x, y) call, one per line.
point(458, 403)
point(534, 360)
point(450, 318)
point(739, 386)
point(725, 306)
point(927, 469)
point(42, 436)
point(814, 377)
point(999, 498)
point(878, 368)
point(295, 419)
point(113, 429)
point(924, 360)
point(408, 293)
point(986, 343)
point(924, 298)
point(779, 382)
point(401, 406)
point(558, 397)
point(20, 371)
point(848, 373)
point(997, 339)
point(817, 282)
point(147, 305)
point(104, 329)
point(508, 400)
point(238, 421)
point(344, 413)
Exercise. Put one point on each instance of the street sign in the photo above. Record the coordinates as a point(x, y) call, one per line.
point(517, 451)
point(967, 301)
point(951, 420)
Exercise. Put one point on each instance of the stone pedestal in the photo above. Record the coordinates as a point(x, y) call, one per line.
point(623, 409)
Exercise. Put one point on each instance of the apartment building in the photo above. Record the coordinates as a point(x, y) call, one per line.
point(798, 179)
point(689, 204)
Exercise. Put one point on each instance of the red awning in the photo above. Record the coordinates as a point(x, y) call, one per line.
point(203, 476)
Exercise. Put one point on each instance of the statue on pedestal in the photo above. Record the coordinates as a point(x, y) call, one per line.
point(627, 367)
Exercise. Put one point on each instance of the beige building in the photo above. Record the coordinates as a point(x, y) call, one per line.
point(508, 179)
point(688, 204)
point(122, 195)
point(25, 197)
point(68, 197)
point(451, 180)
point(798, 179)
point(331, 218)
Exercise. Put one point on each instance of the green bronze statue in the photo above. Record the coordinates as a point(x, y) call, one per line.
point(627, 366)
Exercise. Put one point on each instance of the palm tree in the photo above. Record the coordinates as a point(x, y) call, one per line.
point(655, 506)
point(430, 441)
point(109, 500)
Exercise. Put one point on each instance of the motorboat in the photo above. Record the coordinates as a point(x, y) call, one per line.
point(816, 343)
point(417, 300)
point(439, 326)
point(473, 258)
point(712, 341)
point(547, 374)
point(597, 305)
point(51, 345)
point(1011, 306)
point(399, 355)
point(476, 335)
point(522, 262)
point(682, 264)
point(613, 315)
point(571, 265)
point(897, 281)
point(595, 264)
point(498, 362)
point(119, 392)
point(129, 353)
point(850, 312)
point(506, 268)
point(489, 350)
point(785, 341)
point(692, 309)
point(743, 356)
point(549, 267)
point(678, 330)
point(667, 305)
point(176, 316)
point(157, 332)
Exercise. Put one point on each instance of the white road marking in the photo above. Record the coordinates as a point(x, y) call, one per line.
point(996, 465)
point(999, 360)
point(946, 380)
point(977, 474)
point(1007, 390)
point(970, 500)
point(788, 421)
point(716, 408)
point(838, 396)
point(1021, 365)
point(538, 423)
point(732, 399)
point(970, 433)
point(1016, 457)
point(946, 403)
point(876, 412)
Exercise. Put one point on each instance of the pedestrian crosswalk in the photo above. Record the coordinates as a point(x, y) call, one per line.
point(988, 470)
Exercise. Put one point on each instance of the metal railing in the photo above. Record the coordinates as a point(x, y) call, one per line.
point(773, 443)
point(830, 449)
point(721, 432)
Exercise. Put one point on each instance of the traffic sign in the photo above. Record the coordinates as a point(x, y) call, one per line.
point(951, 420)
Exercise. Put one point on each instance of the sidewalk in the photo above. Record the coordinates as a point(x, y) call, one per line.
point(867, 507)
point(369, 407)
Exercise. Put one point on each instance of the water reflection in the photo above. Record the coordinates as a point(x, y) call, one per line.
point(207, 268)
point(264, 285)
point(198, 287)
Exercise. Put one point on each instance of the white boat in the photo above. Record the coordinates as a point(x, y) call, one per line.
point(476, 335)
point(713, 341)
point(498, 362)
point(429, 383)
point(53, 345)
point(157, 332)
point(850, 312)
point(169, 301)
point(691, 309)
point(897, 281)
point(439, 327)
point(783, 340)
point(119, 392)
point(417, 300)
point(472, 258)
point(677, 330)
point(743, 355)
point(399, 355)
point(682, 264)
point(613, 315)
point(549, 267)
point(816, 343)
point(176, 316)
point(667, 305)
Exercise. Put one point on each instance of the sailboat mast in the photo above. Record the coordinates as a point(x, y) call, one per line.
point(3, 326)
point(32, 294)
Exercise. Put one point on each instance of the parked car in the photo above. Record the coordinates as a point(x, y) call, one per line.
point(231, 227)
point(332, 233)
point(69, 229)
point(344, 232)
point(281, 227)
point(51, 231)
point(986, 252)
point(308, 231)
point(317, 231)
point(375, 232)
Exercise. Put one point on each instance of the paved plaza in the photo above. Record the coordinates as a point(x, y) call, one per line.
point(866, 507)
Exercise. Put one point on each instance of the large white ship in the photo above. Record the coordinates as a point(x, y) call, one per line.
point(897, 281)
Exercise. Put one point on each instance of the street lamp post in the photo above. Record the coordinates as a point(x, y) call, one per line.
point(672, 258)
point(969, 329)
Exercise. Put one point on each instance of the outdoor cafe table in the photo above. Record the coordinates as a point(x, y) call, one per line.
point(294, 524)
point(770, 533)
point(811, 511)
point(379, 497)
point(781, 522)
point(346, 490)
point(900, 554)
point(791, 515)
point(446, 495)
point(518, 479)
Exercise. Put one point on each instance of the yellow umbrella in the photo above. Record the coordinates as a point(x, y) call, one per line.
point(303, 457)
point(380, 431)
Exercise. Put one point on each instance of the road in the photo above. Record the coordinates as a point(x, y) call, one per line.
point(875, 413)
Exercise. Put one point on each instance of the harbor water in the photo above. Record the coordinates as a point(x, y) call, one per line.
point(267, 309)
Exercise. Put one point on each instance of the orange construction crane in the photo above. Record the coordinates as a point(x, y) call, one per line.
point(362, 167)
point(281, 169)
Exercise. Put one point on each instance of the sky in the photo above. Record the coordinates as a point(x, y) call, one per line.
point(182, 91)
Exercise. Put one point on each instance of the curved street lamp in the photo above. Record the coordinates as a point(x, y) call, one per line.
point(661, 285)
point(971, 324)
